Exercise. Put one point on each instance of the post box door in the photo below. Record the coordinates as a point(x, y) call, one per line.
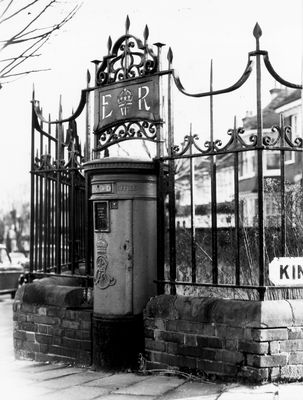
point(113, 241)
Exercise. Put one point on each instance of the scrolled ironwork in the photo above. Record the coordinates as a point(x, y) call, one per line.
point(190, 143)
point(128, 58)
point(180, 150)
point(281, 138)
point(287, 134)
point(44, 162)
point(59, 164)
point(236, 141)
point(212, 147)
point(270, 140)
point(74, 160)
point(128, 130)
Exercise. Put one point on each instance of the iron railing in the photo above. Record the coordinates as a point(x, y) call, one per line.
point(214, 265)
point(58, 198)
point(229, 258)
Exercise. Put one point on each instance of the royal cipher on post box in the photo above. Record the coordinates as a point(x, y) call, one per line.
point(124, 205)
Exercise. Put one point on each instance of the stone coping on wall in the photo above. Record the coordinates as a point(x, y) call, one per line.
point(56, 291)
point(237, 339)
point(261, 314)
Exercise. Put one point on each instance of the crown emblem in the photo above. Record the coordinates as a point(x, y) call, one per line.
point(101, 245)
point(125, 100)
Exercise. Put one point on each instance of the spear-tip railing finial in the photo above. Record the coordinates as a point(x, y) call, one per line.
point(170, 56)
point(109, 44)
point(211, 75)
point(60, 107)
point(257, 32)
point(88, 77)
point(127, 25)
point(146, 33)
point(33, 92)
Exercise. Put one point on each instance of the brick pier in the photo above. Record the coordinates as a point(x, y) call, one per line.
point(52, 323)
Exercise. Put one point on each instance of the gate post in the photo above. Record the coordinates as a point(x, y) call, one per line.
point(123, 193)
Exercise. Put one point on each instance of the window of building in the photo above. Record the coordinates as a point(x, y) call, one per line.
point(294, 124)
point(4, 256)
point(247, 164)
point(292, 121)
point(272, 160)
point(289, 157)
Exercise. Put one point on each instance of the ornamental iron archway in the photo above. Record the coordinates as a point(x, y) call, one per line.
point(128, 106)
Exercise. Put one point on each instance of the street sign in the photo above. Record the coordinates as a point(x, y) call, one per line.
point(286, 271)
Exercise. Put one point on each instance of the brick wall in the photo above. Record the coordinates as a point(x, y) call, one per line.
point(249, 340)
point(46, 331)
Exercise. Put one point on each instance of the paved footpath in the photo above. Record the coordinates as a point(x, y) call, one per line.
point(28, 380)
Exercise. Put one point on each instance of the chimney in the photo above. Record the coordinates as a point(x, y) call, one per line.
point(274, 92)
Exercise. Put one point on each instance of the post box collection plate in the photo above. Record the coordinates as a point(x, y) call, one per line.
point(101, 212)
point(103, 188)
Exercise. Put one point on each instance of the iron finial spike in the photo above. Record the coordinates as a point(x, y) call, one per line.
point(235, 122)
point(88, 77)
point(33, 92)
point(60, 106)
point(257, 32)
point(170, 55)
point(109, 44)
point(211, 76)
point(146, 33)
point(127, 24)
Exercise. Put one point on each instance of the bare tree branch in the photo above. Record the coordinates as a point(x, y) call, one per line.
point(15, 58)
point(30, 23)
point(17, 12)
point(6, 9)
point(22, 57)
point(28, 72)
point(30, 37)
point(53, 28)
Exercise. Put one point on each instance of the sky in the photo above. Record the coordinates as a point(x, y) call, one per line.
point(198, 31)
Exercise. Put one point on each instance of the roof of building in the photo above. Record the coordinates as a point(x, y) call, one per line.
point(270, 117)
point(295, 95)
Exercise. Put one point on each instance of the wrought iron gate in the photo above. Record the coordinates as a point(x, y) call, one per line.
point(189, 255)
point(57, 197)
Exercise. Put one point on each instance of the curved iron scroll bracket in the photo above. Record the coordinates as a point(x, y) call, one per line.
point(242, 79)
point(75, 115)
point(37, 115)
point(276, 76)
point(235, 86)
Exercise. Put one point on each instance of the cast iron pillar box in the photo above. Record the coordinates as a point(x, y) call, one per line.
point(124, 204)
